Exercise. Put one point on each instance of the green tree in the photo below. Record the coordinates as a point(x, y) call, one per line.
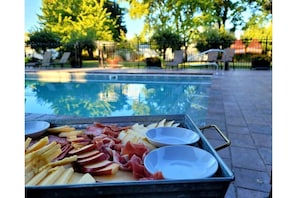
point(184, 17)
point(214, 39)
point(264, 5)
point(116, 15)
point(228, 10)
point(77, 21)
point(41, 40)
point(164, 39)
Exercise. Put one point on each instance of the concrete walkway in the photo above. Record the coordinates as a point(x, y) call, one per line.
point(240, 104)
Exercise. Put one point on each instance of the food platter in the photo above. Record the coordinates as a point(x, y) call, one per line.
point(181, 162)
point(35, 129)
point(163, 136)
point(215, 185)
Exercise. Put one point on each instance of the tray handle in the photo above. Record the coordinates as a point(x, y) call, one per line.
point(227, 141)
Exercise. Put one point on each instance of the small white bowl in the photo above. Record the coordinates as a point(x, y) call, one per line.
point(181, 162)
point(163, 136)
point(35, 129)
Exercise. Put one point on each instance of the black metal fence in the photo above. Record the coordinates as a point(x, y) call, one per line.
point(246, 51)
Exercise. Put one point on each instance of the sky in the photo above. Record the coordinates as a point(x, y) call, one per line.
point(33, 7)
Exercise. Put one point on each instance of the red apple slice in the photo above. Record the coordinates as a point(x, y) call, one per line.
point(96, 166)
point(94, 159)
point(87, 154)
point(83, 149)
point(108, 170)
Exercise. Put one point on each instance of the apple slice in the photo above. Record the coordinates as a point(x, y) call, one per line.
point(77, 145)
point(83, 149)
point(94, 159)
point(96, 166)
point(78, 139)
point(87, 154)
point(108, 170)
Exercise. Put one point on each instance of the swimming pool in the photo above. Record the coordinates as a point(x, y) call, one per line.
point(103, 95)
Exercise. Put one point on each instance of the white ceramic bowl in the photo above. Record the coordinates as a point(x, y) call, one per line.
point(35, 129)
point(181, 162)
point(163, 136)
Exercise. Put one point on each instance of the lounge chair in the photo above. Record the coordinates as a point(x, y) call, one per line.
point(178, 59)
point(63, 59)
point(227, 57)
point(45, 62)
point(208, 57)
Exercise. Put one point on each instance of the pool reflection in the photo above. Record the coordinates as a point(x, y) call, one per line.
point(98, 99)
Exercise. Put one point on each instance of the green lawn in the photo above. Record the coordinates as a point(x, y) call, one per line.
point(142, 64)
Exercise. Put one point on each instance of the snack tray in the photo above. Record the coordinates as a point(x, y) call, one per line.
point(215, 186)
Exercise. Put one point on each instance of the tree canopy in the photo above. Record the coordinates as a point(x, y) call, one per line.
point(166, 39)
point(186, 16)
point(42, 40)
point(76, 19)
point(89, 20)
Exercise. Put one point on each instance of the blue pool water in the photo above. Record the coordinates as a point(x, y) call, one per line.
point(117, 95)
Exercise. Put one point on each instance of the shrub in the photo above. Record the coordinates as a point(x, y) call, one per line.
point(261, 61)
point(153, 61)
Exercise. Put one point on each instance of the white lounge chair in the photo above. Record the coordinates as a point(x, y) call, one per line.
point(208, 57)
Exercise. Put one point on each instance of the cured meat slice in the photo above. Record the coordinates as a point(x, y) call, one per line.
point(138, 149)
point(60, 140)
point(93, 130)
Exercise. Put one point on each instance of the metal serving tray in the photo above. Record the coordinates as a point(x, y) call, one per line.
point(215, 186)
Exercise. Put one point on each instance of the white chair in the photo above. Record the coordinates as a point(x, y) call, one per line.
point(208, 57)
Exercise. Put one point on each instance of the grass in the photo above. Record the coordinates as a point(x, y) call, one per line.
point(142, 64)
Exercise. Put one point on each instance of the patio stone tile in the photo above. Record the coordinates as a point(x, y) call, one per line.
point(216, 115)
point(230, 99)
point(251, 179)
point(262, 140)
point(219, 123)
point(268, 118)
point(243, 140)
point(266, 154)
point(225, 153)
point(248, 158)
point(246, 193)
point(227, 160)
point(264, 128)
point(215, 107)
point(231, 113)
point(238, 129)
point(256, 119)
point(231, 191)
point(236, 121)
